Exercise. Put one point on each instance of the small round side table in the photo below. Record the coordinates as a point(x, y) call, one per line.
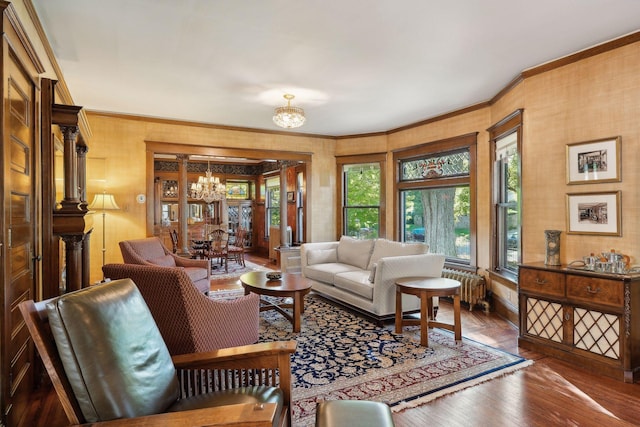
point(426, 288)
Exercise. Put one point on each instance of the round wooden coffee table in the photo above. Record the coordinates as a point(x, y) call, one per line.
point(290, 285)
point(426, 288)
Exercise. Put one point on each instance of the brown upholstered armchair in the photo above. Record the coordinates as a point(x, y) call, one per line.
point(189, 321)
point(107, 361)
point(151, 251)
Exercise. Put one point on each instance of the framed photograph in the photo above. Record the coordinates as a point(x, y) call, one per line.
point(594, 161)
point(594, 213)
point(291, 196)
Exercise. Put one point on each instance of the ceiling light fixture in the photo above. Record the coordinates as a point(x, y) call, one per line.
point(208, 188)
point(289, 117)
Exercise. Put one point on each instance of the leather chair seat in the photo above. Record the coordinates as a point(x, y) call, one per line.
point(353, 413)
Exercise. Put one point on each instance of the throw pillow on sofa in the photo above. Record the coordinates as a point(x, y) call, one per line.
point(321, 256)
point(385, 248)
point(354, 252)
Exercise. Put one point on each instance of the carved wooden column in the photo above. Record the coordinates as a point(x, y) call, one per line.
point(183, 209)
point(82, 150)
point(70, 157)
point(81, 155)
point(74, 260)
point(70, 221)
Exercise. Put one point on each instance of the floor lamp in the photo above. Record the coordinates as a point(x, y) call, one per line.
point(105, 202)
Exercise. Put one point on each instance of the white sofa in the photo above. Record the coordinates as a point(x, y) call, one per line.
point(362, 273)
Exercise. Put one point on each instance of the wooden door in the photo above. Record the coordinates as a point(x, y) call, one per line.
point(19, 236)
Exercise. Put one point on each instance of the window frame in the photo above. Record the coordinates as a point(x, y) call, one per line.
point(268, 203)
point(511, 124)
point(435, 148)
point(341, 207)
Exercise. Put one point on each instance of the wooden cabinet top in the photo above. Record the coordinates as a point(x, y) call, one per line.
point(565, 269)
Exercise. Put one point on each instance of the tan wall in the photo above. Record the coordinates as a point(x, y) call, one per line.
point(122, 142)
point(595, 98)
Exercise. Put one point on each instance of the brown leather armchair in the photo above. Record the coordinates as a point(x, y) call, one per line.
point(151, 251)
point(107, 361)
point(188, 320)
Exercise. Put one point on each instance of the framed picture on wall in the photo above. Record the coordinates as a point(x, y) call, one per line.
point(594, 213)
point(594, 161)
point(291, 196)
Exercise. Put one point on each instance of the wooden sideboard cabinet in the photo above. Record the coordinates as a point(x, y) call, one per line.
point(588, 319)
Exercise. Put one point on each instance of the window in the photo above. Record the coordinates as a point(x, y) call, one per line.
point(448, 207)
point(300, 206)
point(361, 200)
point(272, 203)
point(505, 138)
point(239, 190)
point(436, 197)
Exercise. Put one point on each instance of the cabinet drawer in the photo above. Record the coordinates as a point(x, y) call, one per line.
point(542, 282)
point(596, 291)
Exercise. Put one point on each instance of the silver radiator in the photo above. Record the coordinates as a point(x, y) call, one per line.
point(473, 288)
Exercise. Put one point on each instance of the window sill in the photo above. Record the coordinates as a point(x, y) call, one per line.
point(504, 277)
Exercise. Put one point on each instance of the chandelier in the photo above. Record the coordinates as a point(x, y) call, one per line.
point(208, 188)
point(289, 117)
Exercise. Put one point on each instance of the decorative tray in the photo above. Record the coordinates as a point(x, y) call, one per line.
point(274, 275)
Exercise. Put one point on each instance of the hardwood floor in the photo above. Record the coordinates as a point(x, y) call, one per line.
point(548, 393)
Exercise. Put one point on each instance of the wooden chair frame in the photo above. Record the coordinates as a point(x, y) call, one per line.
point(236, 251)
point(256, 364)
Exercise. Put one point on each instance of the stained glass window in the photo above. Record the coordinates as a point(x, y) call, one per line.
point(445, 165)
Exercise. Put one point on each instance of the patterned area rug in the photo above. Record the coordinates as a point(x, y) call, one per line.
point(235, 270)
point(343, 356)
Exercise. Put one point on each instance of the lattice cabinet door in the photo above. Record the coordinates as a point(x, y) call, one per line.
point(597, 332)
point(544, 319)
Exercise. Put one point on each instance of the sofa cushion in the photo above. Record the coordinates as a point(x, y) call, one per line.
point(356, 282)
point(164, 261)
point(321, 256)
point(385, 248)
point(326, 272)
point(355, 252)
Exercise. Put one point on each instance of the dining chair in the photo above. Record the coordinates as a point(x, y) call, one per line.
point(219, 248)
point(236, 251)
point(174, 240)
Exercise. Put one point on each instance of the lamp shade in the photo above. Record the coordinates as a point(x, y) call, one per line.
point(104, 202)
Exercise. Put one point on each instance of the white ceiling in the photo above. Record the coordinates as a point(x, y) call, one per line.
point(355, 66)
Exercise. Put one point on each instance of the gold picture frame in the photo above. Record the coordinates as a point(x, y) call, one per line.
point(594, 213)
point(594, 161)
